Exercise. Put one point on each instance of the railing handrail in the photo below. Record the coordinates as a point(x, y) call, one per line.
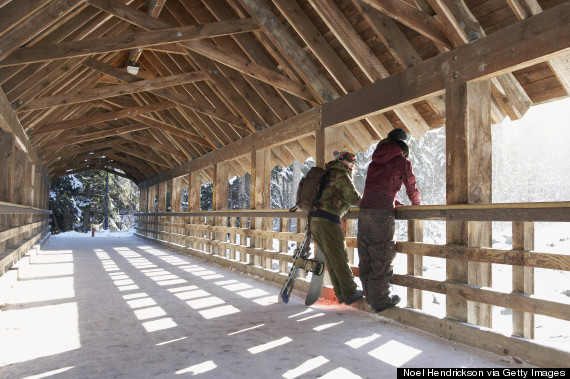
point(537, 211)
point(10, 208)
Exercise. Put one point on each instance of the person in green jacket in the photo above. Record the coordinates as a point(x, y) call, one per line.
point(336, 198)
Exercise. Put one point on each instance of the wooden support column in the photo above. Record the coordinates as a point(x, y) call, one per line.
point(194, 192)
point(523, 278)
point(160, 221)
point(7, 155)
point(7, 164)
point(151, 206)
point(176, 206)
point(468, 144)
point(143, 208)
point(415, 262)
point(327, 142)
point(220, 201)
point(261, 199)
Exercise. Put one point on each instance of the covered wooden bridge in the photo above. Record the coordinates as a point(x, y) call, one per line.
point(177, 93)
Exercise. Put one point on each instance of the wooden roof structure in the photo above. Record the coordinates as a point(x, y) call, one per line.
point(212, 73)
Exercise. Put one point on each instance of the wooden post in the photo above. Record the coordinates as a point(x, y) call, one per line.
point(151, 206)
point(7, 163)
point(220, 201)
point(194, 192)
point(283, 244)
point(415, 262)
point(523, 278)
point(468, 144)
point(261, 198)
point(143, 208)
point(176, 206)
point(160, 224)
point(326, 143)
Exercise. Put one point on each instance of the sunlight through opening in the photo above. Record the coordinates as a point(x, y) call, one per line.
point(61, 336)
point(237, 287)
point(153, 312)
point(256, 292)
point(326, 326)
point(139, 303)
point(395, 353)
point(340, 372)
point(307, 366)
point(180, 289)
point(198, 369)
point(153, 326)
point(359, 342)
point(309, 310)
point(171, 341)
point(191, 294)
point(205, 302)
point(246, 330)
point(269, 345)
point(49, 373)
point(269, 300)
point(311, 317)
point(219, 312)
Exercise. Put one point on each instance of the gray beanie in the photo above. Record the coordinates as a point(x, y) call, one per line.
point(398, 134)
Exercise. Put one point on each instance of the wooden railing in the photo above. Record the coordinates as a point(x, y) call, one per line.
point(213, 235)
point(21, 227)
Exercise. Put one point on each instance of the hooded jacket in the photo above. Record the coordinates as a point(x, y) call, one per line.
point(387, 172)
point(339, 193)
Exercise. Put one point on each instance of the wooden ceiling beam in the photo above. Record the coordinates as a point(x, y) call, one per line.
point(66, 50)
point(35, 24)
point(87, 137)
point(293, 129)
point(559, 65)
point(163, 126)
point(413, 18)
point(102, 117)
point(397, 44)
point(16, 12)
point(91, 94)
point(289, 47)
point(153, 144)
point(62, 153)
point(545, 36)
point(208, 49)
point(366, 60)
point(463, 28)
point(179, 98)
point(290, 105)
point(142, 153)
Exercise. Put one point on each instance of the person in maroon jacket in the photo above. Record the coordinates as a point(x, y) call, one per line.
point(389, 169)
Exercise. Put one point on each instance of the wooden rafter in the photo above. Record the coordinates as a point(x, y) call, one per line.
point(71, 49)
point(102, 117)
point(112, 90)
point(411, 17)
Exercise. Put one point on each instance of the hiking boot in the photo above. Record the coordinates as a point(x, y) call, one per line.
point(395, 300)
point(357, 296)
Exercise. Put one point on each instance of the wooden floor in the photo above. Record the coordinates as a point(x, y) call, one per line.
point(118, 307)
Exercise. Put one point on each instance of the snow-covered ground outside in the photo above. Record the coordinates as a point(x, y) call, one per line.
point(549, 284)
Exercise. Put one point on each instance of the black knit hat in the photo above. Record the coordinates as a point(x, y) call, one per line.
point(398, 134)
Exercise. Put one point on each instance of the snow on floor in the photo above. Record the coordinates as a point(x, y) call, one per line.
point(119, 307)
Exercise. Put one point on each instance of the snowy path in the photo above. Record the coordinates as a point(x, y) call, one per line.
point(119, 307)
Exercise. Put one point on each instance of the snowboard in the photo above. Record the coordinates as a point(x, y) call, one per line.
point(316, 281)
point(301, 262)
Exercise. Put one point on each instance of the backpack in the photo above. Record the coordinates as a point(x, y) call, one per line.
point(310, 188)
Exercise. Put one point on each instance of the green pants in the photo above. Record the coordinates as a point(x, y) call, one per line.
point(329, 236)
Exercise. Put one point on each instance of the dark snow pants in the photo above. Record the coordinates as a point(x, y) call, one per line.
point(376, 251)
point(329, 236)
